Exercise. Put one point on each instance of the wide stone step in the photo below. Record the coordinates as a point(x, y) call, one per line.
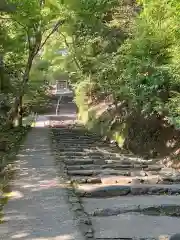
point(125, 160)
point(113, 176)
point(98, 171)
point(85, 180)
point(70, 132)
point(73, 154)
point(76, 161)
point(126, 165)
point(70, 137)
point(96, 166)
point(83, 140)
point(156, 210)
point(117, 166)
point(134, 179)
point(117, 205)
point(69, 149)
point(78, 131)
point(81, 155)
point(135, 226)
point(75, 167)
point(100, 191)
point(82, 158)
point(79, 142)
point(83, 173)
point(72, 146)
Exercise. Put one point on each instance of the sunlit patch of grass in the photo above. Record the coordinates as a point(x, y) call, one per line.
point(13, 138)
point(3, 201)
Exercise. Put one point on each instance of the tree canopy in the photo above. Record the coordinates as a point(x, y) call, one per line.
point(124, 48)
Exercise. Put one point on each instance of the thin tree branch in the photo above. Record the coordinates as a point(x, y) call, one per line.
point(74, 58)
point(65, 40)
point(29, 41)
point(55, 28)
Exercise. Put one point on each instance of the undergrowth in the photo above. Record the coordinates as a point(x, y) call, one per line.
point(151, 137)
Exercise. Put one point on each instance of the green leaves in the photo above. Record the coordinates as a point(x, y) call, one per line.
point(7, 6)
point(23, 35)
point(129, 53)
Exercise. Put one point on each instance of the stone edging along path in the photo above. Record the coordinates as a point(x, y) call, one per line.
point(74, 200)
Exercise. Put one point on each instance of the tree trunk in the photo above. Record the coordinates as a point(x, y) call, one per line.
point(13, 111)
point(20, 111)
point(1, 73)
point(16, 110)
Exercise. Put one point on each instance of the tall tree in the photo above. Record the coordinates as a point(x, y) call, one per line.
point(34, 22)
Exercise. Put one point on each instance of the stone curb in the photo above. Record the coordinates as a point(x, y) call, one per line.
point(83, 219)
point(127, 190)
point(148, 238)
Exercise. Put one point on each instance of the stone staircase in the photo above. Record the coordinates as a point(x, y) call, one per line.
point(126, 197)
point(122, 196)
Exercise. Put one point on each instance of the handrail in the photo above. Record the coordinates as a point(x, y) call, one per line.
point(57, 107)
point(34, 118)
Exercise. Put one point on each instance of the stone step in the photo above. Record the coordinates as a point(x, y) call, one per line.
point(113, 176)
point(105, 191)
point(124, 165)
point(76, 131)
point(130, 179)
point(73, 152)
point(72, 146)
point(116, 205)
point(79, 142)
point(69, 149)
point(76, 161)
point(104, 167)
point(70, 137)
point(82, 158)
point(81, 155)
point(156, 210)
point(85, 180)
point(98, 171)
point(135, 226)
point(129, 170)
point(83, 173)
point(75, 167)
point(125, 160)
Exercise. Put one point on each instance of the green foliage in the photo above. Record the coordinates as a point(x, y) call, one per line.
point(26, 27)
point(127, 49)
point(136, 62)
point(82, 89)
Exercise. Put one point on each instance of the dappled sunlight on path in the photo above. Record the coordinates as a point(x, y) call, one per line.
point(37, 207)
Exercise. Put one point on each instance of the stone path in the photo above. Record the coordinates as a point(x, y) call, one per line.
point(38, 209)
point(109, 195)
